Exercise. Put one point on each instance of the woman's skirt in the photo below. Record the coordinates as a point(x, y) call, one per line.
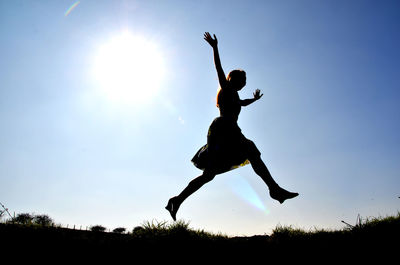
point(226, 149)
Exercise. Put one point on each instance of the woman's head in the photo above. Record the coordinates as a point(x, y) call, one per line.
point(236, 79)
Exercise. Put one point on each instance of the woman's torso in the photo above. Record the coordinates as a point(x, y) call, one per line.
point(229, 103)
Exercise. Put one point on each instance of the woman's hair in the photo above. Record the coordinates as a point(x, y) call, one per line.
point(234, 76)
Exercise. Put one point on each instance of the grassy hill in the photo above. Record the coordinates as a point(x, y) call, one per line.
point(376, 238)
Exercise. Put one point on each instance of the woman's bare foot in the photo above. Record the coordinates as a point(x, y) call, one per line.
point(281, 195)
point(173, 207)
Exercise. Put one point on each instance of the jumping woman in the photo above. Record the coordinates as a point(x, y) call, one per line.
point(227, 148)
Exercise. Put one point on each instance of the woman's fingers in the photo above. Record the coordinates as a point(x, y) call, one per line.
point(207, 36)
point(257, 94)
point(210, 40)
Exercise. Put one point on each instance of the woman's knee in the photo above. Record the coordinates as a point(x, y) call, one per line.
point(252, 150)
point(257, 164)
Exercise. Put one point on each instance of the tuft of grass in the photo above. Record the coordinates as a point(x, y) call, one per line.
point(178, 229)
point(371, 227)
point(288, 232)
point(377, 225)
point(294, 232)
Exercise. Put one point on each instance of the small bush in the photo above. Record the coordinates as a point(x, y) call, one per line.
point(43, 220)
point(119, 230)
point(98, 228)
point(23, 219)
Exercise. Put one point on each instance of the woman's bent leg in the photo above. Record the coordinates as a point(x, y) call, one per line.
point(275, 191)
point(261, 169)
point(175, 202)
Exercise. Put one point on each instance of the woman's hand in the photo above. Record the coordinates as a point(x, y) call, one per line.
point(210, 40)
point(257, 94)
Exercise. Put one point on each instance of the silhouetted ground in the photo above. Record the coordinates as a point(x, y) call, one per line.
point(372, 240)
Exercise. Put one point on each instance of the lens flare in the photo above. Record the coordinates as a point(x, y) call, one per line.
point(245, 191)
point(172, 110)
point(69, 10)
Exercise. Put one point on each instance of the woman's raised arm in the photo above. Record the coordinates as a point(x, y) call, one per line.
point(214, 44)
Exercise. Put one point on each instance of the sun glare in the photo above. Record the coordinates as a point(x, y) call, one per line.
point(128, 69)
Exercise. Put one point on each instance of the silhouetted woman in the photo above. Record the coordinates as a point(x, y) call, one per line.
point(227, 148)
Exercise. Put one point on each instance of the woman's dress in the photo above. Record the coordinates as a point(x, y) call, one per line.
point(227, 148)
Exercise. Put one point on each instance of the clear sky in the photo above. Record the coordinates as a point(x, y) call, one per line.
point(87, 143)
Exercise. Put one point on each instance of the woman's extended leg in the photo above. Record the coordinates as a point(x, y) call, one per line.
point(193, 186)
point(275, 191)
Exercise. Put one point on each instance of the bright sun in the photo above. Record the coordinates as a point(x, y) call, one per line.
point(128, 69)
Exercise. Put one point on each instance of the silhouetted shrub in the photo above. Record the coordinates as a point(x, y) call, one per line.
point(23, 219)
point(43, 219)
point(119, 230)
point(97, 228)
point(32, 219)
point(138, 230)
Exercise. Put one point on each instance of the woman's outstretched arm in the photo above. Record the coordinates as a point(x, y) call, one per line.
point(256, 95)
point(214, 44)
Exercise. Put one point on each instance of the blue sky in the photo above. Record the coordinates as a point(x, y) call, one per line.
point(327, 125)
